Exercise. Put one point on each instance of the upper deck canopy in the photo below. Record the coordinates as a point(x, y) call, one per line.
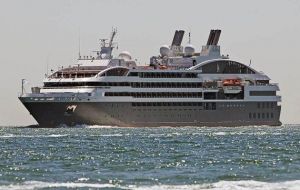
point(223, 66)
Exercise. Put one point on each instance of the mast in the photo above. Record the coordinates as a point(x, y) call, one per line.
point(106, 48)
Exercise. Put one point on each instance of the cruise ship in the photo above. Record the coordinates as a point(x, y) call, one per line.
point(179, 87)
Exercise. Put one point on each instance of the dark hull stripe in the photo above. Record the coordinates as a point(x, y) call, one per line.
point(52, 114)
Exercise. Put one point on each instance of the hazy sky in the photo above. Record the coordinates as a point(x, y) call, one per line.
point(36, 32)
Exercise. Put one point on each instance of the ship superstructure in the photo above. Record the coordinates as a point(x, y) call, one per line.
point(180, 87)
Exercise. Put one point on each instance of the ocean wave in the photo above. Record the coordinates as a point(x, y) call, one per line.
point(224, 133)
point(111, 135)
point(95, 126)
point(228, 185)
point(85, 126)
point(29, 185)
point(220, 133)
point(31, 136)
point(221, 185)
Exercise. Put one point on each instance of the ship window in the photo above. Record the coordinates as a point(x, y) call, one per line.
point(206, 107)
point(262, 93)
point(258, 115)
point(210, 95)
point(262, 82)
point(250, 116)
point(214, 106)
point(272, 115)
point(254, 115)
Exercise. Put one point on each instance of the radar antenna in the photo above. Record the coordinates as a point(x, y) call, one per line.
point(107, 47)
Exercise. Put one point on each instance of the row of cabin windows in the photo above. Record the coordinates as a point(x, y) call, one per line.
point(205, 105)
point(70, 84)
point(221, 96)
point(166, 115)
point(261, 115)
point(266, 105)
point(262, 93)
point(166, 84)
point(162, 75)
point(157, 94)
point(73, 75)
point(132, 84)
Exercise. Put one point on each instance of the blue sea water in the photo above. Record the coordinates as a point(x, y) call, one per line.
point(98, 157)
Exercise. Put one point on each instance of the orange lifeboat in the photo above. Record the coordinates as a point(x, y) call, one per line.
point(232, 82)
point(163, 67)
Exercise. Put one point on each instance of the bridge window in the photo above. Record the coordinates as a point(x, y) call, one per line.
point(115, 72)
point(225, 67)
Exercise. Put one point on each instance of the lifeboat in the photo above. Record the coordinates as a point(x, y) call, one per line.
point(232, 82)
point(232, 86)
point(163, 67)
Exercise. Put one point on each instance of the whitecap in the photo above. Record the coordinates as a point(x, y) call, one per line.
point(111, 135)
point(157, 135)
point(7, 136)
point(31, 136)
point(83, 179)
point(221, 185)
point(220, 133)
point(54, 135)
point(98, 126)
point(29, 185)
point(228, 185)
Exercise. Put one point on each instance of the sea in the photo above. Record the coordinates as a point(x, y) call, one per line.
point(107, 157)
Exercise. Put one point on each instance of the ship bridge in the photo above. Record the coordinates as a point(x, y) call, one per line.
point(223, 66)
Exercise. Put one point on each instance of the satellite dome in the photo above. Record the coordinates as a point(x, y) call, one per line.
point(125, 55)
point(189, 50)
point(164, 50)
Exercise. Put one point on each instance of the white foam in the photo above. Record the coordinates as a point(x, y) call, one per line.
point(7, 136)
point(83, 179)
point(31, 136)
point(228, 185)
point(54, 135)
point(91, 126)
point(220, 133)
point(111, 135)
point(221, 185)
point(157, 135)
point(29, 185)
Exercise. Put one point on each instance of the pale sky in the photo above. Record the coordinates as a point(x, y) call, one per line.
point(36, 32)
